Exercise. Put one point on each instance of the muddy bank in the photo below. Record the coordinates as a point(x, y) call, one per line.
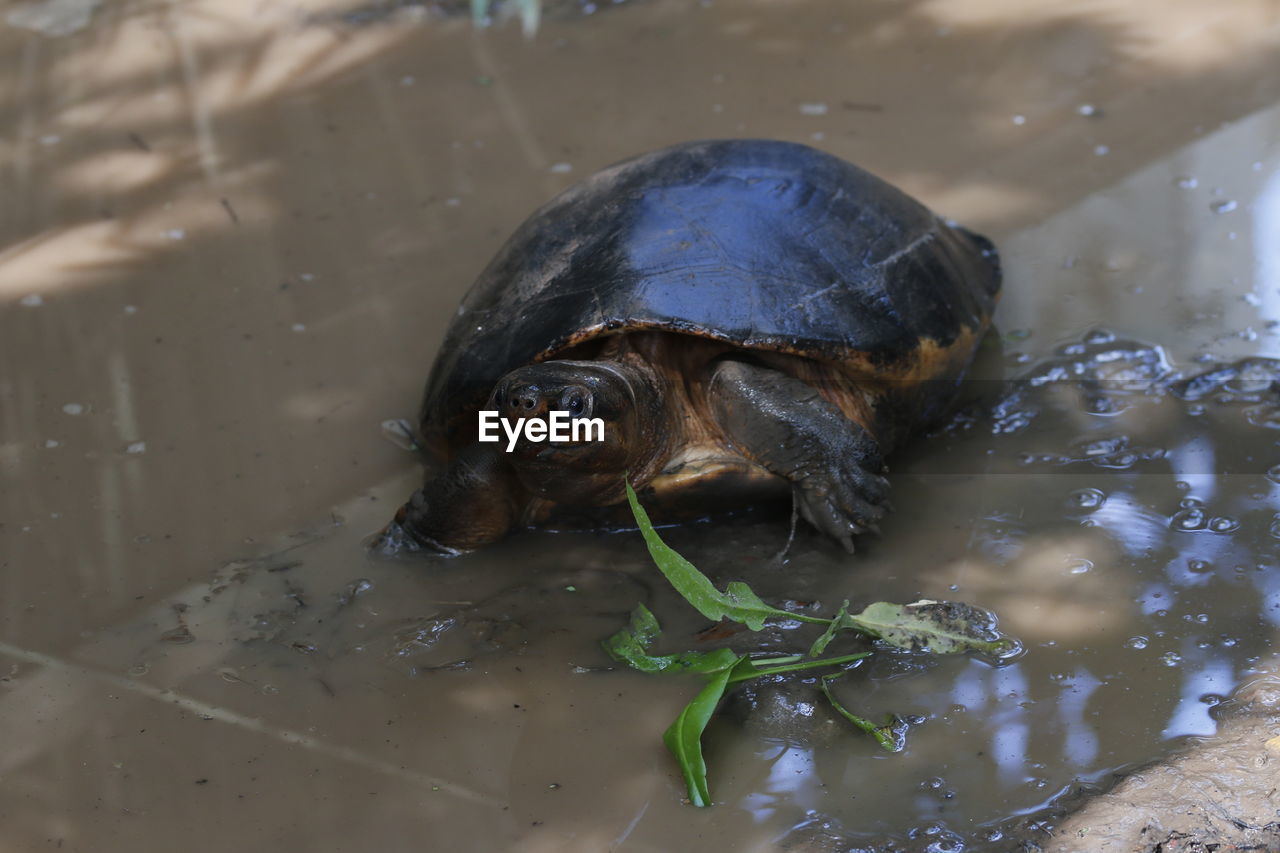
point(1218, 795)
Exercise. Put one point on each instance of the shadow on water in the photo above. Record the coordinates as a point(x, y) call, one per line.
point(247, 229)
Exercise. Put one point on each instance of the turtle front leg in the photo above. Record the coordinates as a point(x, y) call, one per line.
point(474, 502)
point(784, 425)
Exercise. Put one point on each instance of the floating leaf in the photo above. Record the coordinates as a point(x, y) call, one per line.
point(892, 735)
point(753, 669)
point(684, 736)
point(631, 644)
point(941, 627)
point(737, 602)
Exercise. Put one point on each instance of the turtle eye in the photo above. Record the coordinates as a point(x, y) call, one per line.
point(576, 401)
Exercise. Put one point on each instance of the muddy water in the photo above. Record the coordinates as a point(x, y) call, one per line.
point(232, 237)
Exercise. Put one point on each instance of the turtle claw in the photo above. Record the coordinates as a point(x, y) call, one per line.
point(838, 512)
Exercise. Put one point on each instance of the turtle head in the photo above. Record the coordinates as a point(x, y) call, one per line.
point(573, 429)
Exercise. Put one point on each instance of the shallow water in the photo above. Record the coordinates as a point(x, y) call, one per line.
point(233, 238)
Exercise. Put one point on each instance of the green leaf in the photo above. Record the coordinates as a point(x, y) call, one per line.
point(892, 735)
point(753, 669)
point(941, 627)
point(684, 736)
point(630, 646)
point(820, 644)
point(737, 602)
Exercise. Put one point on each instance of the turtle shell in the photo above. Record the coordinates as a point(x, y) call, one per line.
point(760, 244)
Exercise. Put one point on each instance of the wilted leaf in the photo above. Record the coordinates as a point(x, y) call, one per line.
point(941, 627)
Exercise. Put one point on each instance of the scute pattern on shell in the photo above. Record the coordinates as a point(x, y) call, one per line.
point(763, 244)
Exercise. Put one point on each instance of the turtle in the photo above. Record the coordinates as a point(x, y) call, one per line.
point(734, 317)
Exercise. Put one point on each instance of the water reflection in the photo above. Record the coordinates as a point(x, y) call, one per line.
point(1136, 527)
point(1131, 570)
point(1080, 744)
point(1011, 727)
point(1214, 676)
point(1265, 294)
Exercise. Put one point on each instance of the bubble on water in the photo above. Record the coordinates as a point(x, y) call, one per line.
point(1185, 182)
point(1088, 498)
point(136, 447)
point(1275, 527)
point(1101, 150)
point(131, 309)
point(1088, 110)
point(1103, 446)
point(176, 234)
point(1182, 486)
point(32, 300)
point(52, 442)
point(1099, 336)
point(1225, 206)
point(561, 168)
point(1192, 518)
point(1171, 659)
point(1266, 416)
point(1078, 565)
point(1190, 502)
point(1199, 566)
point(1138, 642)
point(815, 108)
point(299, 327)
point(1223, 524)
point(1273, 473)
point(74, 408)
point(1018, 119)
